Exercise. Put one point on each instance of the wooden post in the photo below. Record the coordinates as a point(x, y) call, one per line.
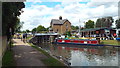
point(46, 39)
point(42, 39)
point(52, 39)
point(90, 34)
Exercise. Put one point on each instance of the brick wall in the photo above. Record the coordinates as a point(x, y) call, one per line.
point(62, 28)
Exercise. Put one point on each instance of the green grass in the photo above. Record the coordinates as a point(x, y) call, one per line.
point(8, 59)
point(50, 61)
point(29, 38)
point(109, 42)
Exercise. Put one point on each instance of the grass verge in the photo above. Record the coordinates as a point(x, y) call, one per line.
point(29, 38)
point(8, 59)
point(109, 42)
point(50, 61)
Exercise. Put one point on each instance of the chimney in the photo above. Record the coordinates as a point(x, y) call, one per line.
point(60, 18)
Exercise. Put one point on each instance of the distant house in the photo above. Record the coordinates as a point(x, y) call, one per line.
point(118, 32)
point(101, 32)
point(60, 25)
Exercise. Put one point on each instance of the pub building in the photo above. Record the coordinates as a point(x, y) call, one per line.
point(102, 33)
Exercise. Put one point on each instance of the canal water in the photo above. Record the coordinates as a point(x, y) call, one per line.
point(82, 55)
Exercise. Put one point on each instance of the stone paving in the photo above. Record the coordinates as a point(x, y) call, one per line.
point(25, 55)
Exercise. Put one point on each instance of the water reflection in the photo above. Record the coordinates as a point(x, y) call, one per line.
point(75, 55)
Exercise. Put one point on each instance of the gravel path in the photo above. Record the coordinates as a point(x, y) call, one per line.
point(25, 55)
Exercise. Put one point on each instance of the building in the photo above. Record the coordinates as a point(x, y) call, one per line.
point(98, 32)
point(118, 32)
point(60, 25)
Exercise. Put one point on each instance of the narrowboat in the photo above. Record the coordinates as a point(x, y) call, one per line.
point(78, 41)
point(118, 39)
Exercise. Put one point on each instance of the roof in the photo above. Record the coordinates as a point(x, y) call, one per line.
point(41, 34)
point(50, 29)
point(57, 21)
point(94, 29)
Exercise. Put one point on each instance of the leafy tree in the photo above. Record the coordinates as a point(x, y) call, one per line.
point(40, 28)
point(27, 30)
point(74, 27)
point(104, 22)
point(89, 24)
point(18, 26)
point(10, 13)
point(34, 30)
point(77, 27)
point(48, 28)
point(23, 31)
point(117, 23)
point(98, 23)
point(68, 33)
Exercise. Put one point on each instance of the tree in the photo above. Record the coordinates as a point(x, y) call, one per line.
point(23, 31)
point(10, 13)
point(98, 23)
point(40, 28)
point(48, 28)
point(27, 30)
point(117, 23)
point(89, 24)
point(68, 33)
point(104, 22)
point(18, 26)
point(74, 27)
point(34, 29)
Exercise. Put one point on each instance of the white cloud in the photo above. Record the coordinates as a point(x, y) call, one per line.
point(72, 0)
point(105, 0)
point(73, 11)
point(106, 4)
point(56, 1)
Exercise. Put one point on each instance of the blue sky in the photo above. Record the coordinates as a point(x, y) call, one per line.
point(48, 4)
point(41, 13)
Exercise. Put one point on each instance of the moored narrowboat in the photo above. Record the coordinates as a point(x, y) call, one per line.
point(118, 39)
point(77, 41)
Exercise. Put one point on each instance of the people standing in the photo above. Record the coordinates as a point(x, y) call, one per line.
point(24, 37)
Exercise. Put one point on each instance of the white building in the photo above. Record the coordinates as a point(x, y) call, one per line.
point(117, 31)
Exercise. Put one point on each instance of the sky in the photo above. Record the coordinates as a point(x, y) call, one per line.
point(41, 12)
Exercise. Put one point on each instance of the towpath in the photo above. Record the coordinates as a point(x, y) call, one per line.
point(25, 55)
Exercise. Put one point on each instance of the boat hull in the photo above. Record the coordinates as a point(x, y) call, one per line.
point(78, 44)
point(118, 39)
point(59, 41)
point(77, 41)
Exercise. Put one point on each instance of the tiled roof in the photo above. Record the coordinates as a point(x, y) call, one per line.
point(57, 21)
point(93, 29)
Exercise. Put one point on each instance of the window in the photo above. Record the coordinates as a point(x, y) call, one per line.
point(66, 26)
point(57, 30)
point(66, 29)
